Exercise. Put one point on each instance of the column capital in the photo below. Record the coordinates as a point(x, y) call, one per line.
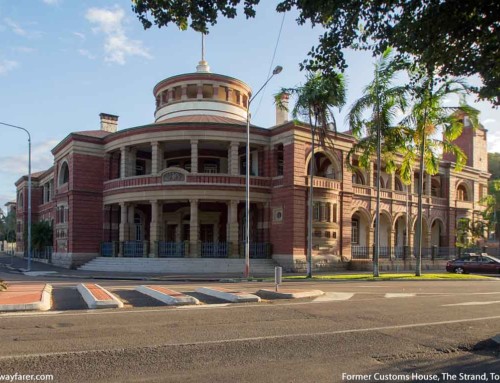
point(194, 200)
point(153, 201)
point(194, 141)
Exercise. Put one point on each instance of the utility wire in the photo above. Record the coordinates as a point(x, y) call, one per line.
point(271, 65)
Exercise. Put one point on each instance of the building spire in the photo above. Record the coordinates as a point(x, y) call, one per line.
point(202, 65)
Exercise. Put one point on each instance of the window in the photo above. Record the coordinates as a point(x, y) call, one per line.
point(316, 211)
point(462, 193)
point(210, 168)
point(64, 174)
point(334, 213)
point(327, 234)
point(357, 178)
point(140, 167)
point(279, 160)
point(355, 232)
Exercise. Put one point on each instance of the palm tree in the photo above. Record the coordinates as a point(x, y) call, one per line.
point(315, 101)
point(384, 101)
point(429, 117)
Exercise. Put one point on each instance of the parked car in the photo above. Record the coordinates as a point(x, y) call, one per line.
point(472, 263)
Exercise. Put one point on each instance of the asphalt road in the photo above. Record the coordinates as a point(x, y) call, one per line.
point(389, 328)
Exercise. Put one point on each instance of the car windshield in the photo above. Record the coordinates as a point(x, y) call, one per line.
point(493, 258)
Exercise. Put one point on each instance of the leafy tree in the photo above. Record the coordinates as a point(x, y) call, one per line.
point(461, 38)
point(315, 101)
point(472, 233)
point(383, 100)
point(41, 235)
point(429, 117)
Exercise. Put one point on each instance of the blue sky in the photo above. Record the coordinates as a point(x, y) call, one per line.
point(62, 62)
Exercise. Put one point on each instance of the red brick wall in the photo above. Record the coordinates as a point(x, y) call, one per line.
point(85, 228)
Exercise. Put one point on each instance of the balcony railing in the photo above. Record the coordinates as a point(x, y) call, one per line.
point(210, 179)
point(324, 183)
point(215, 249)
point(361, 190)
point(171, 249)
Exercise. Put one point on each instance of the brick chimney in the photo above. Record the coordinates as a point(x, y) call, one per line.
point(282, 114)
point(109, 122)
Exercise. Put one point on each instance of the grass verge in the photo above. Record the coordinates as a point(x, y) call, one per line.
point(388, 277)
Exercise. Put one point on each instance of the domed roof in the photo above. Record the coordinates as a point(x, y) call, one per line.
point(201, 93)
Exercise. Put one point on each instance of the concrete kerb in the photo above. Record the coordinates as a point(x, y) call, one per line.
point(44, 304)
point(289, 294)
point(228, 295)
point(173, 299)
point(94, 303)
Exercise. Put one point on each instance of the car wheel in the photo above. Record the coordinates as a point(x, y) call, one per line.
point(459, 270)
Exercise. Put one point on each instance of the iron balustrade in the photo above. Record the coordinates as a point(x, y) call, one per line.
point(134, 249)
point(44, 254)
point(109, 249)
point(214, 249)
point(171, 249)
point(258, 250)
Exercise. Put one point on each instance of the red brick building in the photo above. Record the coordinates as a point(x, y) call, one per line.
point(176, 187)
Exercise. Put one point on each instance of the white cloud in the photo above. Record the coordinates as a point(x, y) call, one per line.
point(116, 44)
point(86, 53)
point(20, 31)
point(80, 35)
point(488, 121)
point(51, 2)
point(23, 49)
point(7, 66)
point(41, 159)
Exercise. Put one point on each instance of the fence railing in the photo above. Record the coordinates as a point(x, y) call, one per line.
point(215, 249)
point(134, 248)
point(171, 249)
point(258, 250)
point(403, 252)
point(44, 254)
point(109, 249)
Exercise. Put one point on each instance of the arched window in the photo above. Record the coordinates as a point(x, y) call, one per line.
point(357, 178)
point(20, 199)
point(64, 174)
point(462, 194)
point(398, 185)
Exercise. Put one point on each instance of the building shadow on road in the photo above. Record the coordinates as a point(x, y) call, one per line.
point(137, 299)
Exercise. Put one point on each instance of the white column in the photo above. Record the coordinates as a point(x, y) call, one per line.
point(232, 226)
point(193, 228)
point(123, 228)
point(154, 157)
point(131, 216)
point(123, 162)
point(233, 158)
point(153, 228)
point(194, 156)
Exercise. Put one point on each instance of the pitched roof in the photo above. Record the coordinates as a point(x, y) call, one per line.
point(93, 133)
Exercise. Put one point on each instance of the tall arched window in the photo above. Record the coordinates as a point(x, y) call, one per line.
point(462, 194)
point(64, 174)
point(357, 178)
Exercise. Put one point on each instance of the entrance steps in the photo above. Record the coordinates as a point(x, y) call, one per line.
point(179, 265)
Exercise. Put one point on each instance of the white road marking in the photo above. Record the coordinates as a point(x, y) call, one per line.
point(327, 297)
point(472, 303)
point(399, 295)
point(268, 337)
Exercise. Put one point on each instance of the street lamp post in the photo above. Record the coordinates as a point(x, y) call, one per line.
point(29, 189)
point(276, 71)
